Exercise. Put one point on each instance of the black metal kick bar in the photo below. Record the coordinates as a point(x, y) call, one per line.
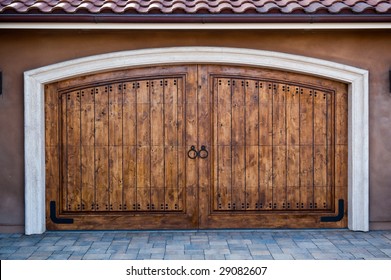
point(341, 211)
point(54, 218)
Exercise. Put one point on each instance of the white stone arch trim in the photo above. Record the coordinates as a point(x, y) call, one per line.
point(34, 115)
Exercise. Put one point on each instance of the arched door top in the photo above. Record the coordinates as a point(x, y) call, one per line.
point(357, 79)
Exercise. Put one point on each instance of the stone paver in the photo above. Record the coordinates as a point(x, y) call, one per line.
point(198, 245)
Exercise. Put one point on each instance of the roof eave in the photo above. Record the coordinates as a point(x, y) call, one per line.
point(195, 18)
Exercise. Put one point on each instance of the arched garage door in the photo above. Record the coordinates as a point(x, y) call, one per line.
point(197, 146)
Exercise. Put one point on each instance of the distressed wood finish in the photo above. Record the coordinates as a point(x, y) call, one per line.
point(116, 149)
point(121, 152)
point(282, 175)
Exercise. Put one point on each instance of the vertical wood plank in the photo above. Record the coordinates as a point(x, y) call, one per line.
point(251, 112)
point(293, 148)
point(51, 116)
point(279, 116)
point(252, 176)
point(52, 153)
point(266, 146)
point(115, 178)
point(181, 178)
point(129, 178)
point(171, 176)
point(215, 153)
point(157, 117)
point(321, 199)
point(143, 174)
point(64, 152)
point(115, 147)
point(320, 118)
point(157, 142)
point(293, 177)
point(341, 118)
point(115, 115)
point(224, 157)
point(101, 148)
point(279, 147)
point(306, 177)
point(224, 112)
point(306, 148)
point(238, 145)
point(292, 115)
point(238, 178)
point(191, 131)
point(143, 123)
point(73, 152)
point(265, 113)
point(330, 142)
point(279, 177)
point(181, 150)
point(143, 128)
point(224, 187)
point(129, 131)
point(88, 148)
point(171, 142)
point(252, 142)
point(129, 112)
point(238, 114)
point(341, 154)
point(341, 144)
point(266, 177)
point(306, 117)
point(52, 171)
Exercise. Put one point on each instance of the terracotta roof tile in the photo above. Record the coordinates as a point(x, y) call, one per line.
point(361, 7)
point(383, 8)
point(197, 6)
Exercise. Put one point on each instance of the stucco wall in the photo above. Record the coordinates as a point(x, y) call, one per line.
point(25, 50)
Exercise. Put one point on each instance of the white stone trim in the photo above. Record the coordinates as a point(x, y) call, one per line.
point(357, 79)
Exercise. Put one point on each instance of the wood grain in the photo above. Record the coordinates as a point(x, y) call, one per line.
point(117, 143)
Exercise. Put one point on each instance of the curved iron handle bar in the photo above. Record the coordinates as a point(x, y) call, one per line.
point(189, 153)
point(203, 153)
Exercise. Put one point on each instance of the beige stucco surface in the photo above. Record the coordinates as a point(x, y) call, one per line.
point(24, 50)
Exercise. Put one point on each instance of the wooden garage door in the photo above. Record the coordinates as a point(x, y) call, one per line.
point(196, 147)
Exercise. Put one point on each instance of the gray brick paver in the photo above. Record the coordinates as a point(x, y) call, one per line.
point(198, 257)
point(386, 251)
point(19, 256)
point(194, 252)
point(96, 257)
point(282, 256)
point(262, 257)
point(259, 252)
point(216, 251)
point(8, 249)
point(215, 257)
point(123, 256)
point(27, 249)
point(176, 257)
point(208, 244)
point(63, 256)
point(50, 248)
point(238, 257)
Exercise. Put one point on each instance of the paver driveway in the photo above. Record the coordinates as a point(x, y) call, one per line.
point(200, 244)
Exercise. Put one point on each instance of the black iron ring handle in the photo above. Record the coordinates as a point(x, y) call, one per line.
point(192, 153)
point(203, 153)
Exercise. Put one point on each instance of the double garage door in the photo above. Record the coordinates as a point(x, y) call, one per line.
point(196, 146)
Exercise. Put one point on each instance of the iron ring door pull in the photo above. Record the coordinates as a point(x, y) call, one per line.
point(192, 153)
point(203, 153)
